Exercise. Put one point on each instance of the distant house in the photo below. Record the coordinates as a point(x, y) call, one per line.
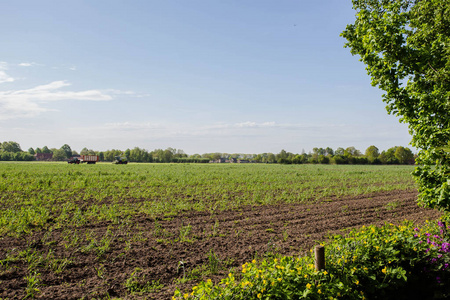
point(232, 160)
point(243, 161)
point(218, 161)
point(43, 156)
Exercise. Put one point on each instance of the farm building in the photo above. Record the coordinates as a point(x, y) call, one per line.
point(43, 156)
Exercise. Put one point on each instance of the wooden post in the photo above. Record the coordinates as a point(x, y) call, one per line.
point(319, 252)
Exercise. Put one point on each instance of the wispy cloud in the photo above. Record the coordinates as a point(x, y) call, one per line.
point(217, 129)
point(28, 64)
point(4, 77)
point(249, 124)
point(29, 102)
point(133, 126)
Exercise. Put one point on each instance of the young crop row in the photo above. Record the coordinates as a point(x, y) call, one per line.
point(389, 262)
point(36, 196)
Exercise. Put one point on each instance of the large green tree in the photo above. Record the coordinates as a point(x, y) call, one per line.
point(67, 150)
point(11, 147)
point(59, 154)
point(406, 48)
point(45, 150)
point(372, 153)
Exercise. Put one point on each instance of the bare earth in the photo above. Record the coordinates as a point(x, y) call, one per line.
point(235, 236)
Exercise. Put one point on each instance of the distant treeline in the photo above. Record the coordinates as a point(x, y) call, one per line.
point(11, 151)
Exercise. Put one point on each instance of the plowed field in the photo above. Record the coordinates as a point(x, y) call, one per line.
point(156, 255)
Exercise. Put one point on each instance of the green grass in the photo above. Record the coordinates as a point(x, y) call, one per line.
point(46, 196)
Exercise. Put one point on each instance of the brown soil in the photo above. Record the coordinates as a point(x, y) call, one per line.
point(158, 246)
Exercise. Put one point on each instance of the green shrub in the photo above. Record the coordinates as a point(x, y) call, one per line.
point(390, 262)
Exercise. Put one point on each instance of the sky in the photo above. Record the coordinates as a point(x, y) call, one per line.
point(200, 75)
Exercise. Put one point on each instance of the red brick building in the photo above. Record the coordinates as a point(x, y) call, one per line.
point(43, 156)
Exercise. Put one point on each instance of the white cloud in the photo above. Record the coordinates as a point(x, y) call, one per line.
point(3, 76)
point(27, 64)
point(149, 129)
point(28, 102)
point(254, 124)
point(133, 126)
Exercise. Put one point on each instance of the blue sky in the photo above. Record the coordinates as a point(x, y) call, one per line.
point(202, 76)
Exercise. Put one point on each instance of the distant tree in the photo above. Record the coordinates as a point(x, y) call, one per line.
point(319, 151)
point(59, 155)
point(271, 158)
point(180, 153)
point(313, 159)
point(157, 155)
point(38, 150)
point(282, 157)
point(23, 156)
point(329, 151)
point(322, 159)
point(258, 158)
point(110, 155)
point(372, 153)
point(215, 156)
point(46, 150)
point(339, 151)
point(339, 159)
point(86, 151)
point(404, 155)
point(67, 150)
point(388, 157)
point(352, 151)
point(6, 156)
point(11, 146)
point(297, 159)
point(31, 151)
point(168, 155)
point(138, 155)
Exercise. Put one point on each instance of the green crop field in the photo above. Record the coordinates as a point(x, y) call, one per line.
point(141, 231)
point(35, 196)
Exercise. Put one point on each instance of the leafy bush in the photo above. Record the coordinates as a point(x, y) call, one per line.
point(390, 262)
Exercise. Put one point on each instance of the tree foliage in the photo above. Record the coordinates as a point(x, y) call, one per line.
point(45, 150)
point(406, 48)
point(372, 153)
point(10, 146)
point(67, 150)
point(59, 154)
point(12, 151)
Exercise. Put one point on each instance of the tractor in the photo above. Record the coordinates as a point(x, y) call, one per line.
point(120, 160)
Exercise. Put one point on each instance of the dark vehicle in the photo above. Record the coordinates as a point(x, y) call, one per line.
point(74, 160)
point(90, 159)
point(120, 160)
